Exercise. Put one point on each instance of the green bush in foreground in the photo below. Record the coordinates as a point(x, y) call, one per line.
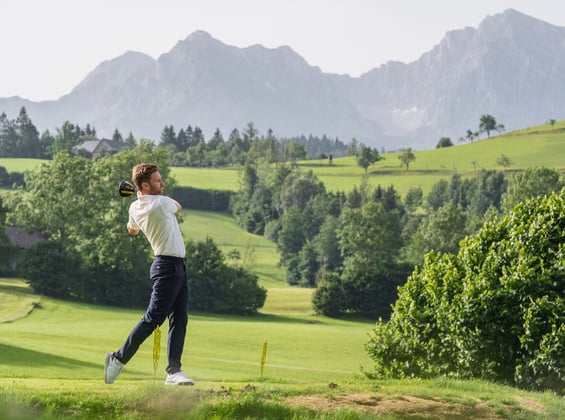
point(495, 311)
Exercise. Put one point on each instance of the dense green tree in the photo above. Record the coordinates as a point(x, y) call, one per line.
point(367, 156)
point(389, 198)
point(28, 137)
point(414, 198)
point(235, 148)
point(327, 245)
point(444, 142)
point(407, 156)
point(117, 136)
point(504, 161)
point(440, 231)
point(73, 202)
point(494, 311)
point(299, 188)
point(217, 152)
point(294, 152)
point(9, 138)
point(291, 237)
point(169, 137)
point(216, 287)
point(438, 195)
point(369, 242)
point(263, 150)
point(67, 136)
point(46, 141)
point(6, 250)
point(308, 265)
point(130, 139)
point(531, 183)
point(197, 155)
point(488, 124)
point(487, 190)
point(369, 236)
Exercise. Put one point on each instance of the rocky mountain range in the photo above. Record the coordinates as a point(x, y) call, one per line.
point(511, 66)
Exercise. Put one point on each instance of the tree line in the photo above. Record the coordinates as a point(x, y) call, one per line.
point(357, 247)
point(19, 138)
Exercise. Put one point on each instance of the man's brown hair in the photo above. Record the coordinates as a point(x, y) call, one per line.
point(142, 173)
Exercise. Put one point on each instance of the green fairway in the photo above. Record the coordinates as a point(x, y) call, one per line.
point(207, 178)
point(261, 253)
point(63, 340)
point(52, 367)
point(19, 164)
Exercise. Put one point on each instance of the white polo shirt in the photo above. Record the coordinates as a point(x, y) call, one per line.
point(154, 215)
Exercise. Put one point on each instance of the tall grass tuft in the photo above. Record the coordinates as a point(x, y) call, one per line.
point(263, 357)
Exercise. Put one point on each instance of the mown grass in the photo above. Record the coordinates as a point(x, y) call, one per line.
point(258, 253)
point(52, 368)
point(20, 164)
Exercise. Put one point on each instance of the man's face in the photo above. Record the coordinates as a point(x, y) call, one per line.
point(155, 184)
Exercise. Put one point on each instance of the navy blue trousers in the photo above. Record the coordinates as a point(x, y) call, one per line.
point(169, 299)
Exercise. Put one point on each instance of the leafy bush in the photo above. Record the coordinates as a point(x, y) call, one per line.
point(496, 310)
point(216, 287)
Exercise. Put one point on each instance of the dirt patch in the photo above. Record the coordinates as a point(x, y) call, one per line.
point(531, 405)
point(407, 407)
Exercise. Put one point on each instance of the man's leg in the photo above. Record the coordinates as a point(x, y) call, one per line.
point(162, 298)
point(178, 320)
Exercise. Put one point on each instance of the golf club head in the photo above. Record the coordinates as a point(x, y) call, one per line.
point(126, 189)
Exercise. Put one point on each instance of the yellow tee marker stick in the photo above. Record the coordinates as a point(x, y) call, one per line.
point(263, 357)
point(156, 349)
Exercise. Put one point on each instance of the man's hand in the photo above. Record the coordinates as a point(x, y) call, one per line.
point(132, 231)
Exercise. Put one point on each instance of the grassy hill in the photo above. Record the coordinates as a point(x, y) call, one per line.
point(538, 146)
point(221, 227)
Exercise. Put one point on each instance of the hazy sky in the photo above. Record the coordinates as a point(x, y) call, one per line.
point(49, 46)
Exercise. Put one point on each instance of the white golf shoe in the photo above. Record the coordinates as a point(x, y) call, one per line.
point(178, 378)
point(112, 368)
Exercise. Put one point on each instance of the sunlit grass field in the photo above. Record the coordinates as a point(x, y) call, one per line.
point(221, 227)
point(59, 340)
point(52, 367)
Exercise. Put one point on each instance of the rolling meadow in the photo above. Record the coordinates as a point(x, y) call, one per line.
point(52, 351)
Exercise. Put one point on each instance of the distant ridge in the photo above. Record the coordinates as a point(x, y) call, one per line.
point(511, 66)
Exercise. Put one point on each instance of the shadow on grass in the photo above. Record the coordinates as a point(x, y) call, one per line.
point(276, 318)
point(17, 289)
point(19, 356)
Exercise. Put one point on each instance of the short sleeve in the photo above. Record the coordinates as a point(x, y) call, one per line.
point(168, 204)
point(131, 220)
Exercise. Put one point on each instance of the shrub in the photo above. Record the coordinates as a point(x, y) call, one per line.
point(493, 311)
point(216, 287)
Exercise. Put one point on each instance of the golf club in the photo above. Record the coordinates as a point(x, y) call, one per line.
point(126, 189)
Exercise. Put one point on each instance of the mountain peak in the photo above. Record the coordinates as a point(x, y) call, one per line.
point(199, 36)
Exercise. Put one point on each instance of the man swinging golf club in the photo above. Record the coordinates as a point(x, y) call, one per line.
point(154, 215)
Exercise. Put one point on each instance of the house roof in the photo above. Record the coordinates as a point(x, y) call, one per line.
point(99, 146)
